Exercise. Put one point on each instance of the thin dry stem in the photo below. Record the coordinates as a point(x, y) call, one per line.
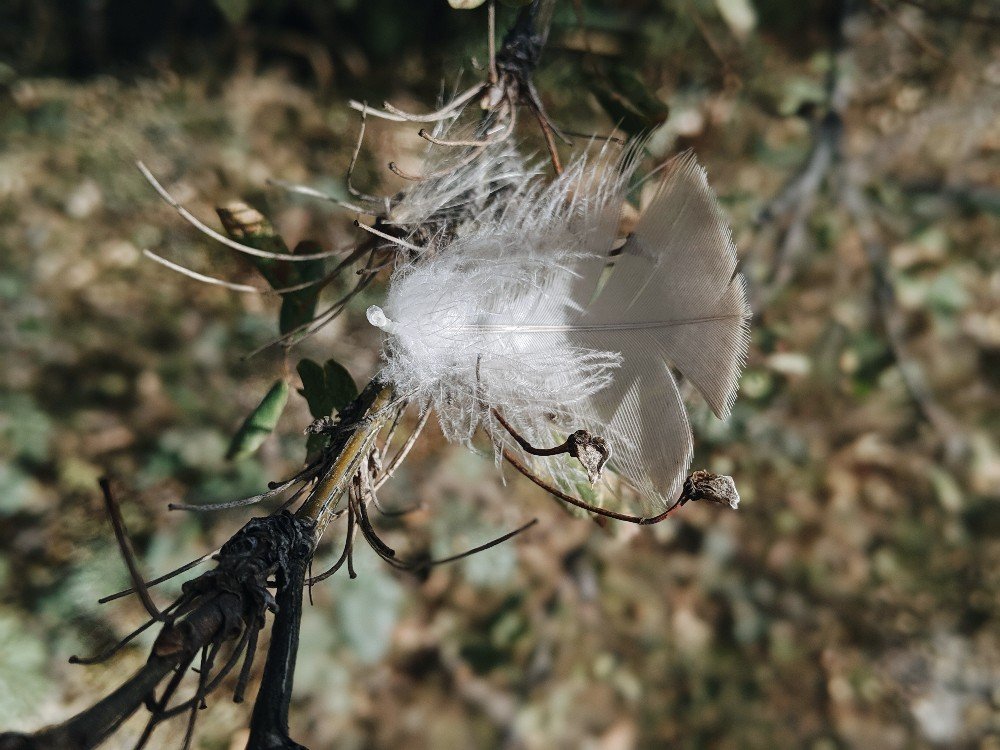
point(207, 230)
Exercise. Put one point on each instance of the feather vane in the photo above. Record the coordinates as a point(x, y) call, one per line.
point(528, 311)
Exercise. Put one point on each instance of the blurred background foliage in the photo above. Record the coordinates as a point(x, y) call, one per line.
point(850, 602)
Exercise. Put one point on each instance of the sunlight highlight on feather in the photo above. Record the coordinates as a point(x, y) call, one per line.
point(521, 312)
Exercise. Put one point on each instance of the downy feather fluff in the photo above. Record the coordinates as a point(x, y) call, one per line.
point(528, 311)
point(463, 186)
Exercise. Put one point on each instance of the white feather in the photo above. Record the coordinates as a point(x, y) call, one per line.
point(525, 312)
point(461, 181)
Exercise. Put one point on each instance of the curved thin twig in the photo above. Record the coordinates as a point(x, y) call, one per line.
point(202, 227)
point(397, 115)
point(570, 500)
point(160, 579)
point(246, 288)
point(389, 470)
point(389, 237)
point(303, 476)
point(128, 553)
point(294, 187)
point(481, 547)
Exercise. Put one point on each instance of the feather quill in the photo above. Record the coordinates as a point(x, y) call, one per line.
point(527, 310)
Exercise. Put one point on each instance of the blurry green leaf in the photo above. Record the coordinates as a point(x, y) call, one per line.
point(326, 389)
point(238, 480)
point(315, 444)
point(797, 94)
point(489, 646)
point(99, 571)
point(460, 526)
point(248, 226)
point(947, 489)
point(77, 474)
point(260, 423)
point(756, 384)
point(946, 294)
point(235, 11)
point(465, 4)
point(628, 101)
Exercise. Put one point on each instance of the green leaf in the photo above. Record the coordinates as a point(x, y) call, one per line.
point(339, 384)
point(315, 445)
point(314, 388)
point(367, 610)
point(628, 101)
point(326, 389)
point(260, 423)
point(248, 226)
point(299, 308)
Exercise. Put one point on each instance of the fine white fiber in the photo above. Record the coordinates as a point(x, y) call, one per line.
point(459, 182)
point(529, 311)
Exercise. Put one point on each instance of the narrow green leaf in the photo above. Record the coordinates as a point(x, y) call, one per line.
point(260, 423)
point(299, 308)
point(248, 226)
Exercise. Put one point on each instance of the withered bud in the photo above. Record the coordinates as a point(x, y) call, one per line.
point(590, 450)
point(717, 488)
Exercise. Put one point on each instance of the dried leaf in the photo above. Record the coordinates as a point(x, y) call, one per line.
point(716, 488)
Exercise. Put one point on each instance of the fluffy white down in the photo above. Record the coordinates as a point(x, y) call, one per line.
point(526, 312)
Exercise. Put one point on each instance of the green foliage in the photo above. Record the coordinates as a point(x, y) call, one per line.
point(298, 308)
point(250, 228)
point(17, 490)
point(326, 389)
point(260, 423)
point(628, 101)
